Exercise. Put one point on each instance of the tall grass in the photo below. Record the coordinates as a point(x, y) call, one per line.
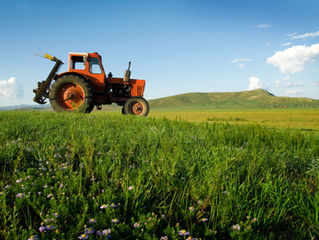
point(157, 177)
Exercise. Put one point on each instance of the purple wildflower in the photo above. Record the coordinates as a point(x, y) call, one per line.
point(236, 227)
point(19, 180)
point(203, 219)
point(20, 195)
point(115, 220)
point(50, 195)
point(92, 220)
point(164, 238)
point(103, 206)
point(106, 232)
point(33, 237)
point(50, 227)
point(191, 209)
point(89, 230)
point(183, 233)
point(136, 225)
point(83, 236)
point(42, 229)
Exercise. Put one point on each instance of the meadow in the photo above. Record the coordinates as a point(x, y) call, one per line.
point(80, 176)
point(294, 118)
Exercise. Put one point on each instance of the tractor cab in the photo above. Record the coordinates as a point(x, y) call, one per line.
point(89, 65)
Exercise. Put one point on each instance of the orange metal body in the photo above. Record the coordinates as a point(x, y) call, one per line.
point(104, 87)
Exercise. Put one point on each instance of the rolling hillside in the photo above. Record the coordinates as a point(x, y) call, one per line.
point(259, 98)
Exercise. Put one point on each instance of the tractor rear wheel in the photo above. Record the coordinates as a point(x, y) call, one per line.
point(71, 93)
point(136, 106)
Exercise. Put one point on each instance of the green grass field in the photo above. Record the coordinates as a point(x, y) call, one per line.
point(71, 176)
point(303, 119)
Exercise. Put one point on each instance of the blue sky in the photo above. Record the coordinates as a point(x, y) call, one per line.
point(177, 46)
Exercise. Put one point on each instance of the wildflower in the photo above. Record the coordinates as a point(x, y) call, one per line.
point(136, 225)
point(150, 219)
point(225, 192)
point(164, 238)
point(45, 186)
point(19, 180)
point(92, 220)
point(20, 195)
point(254, 220)
point(83, 236)
point(6, 186)
point(130, 188)
point(56, 214)
point(92, 179)
point(191, 209)
point(236, 227)
point(39, 193)
point(50, 227)
point(102, 190)
point(112, 205)
point(1, 193)
point(89, 230)
point(42, 229)
point(183, 233)
point(115, 220)
point(203, 219)
point(50, 195)
point(22, 186)
point(106, 232)
point(103, 206)
point(33, 237)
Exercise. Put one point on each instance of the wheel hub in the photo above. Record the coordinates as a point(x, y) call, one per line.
point(137, 108)
point(71, 96)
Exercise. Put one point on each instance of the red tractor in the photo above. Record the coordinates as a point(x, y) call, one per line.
point(86, 85)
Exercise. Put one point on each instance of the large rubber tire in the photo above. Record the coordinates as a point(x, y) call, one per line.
point(71, 93)
point(136, 106)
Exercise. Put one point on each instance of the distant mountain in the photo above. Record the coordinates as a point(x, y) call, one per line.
point(259, 98)
point(25, 107)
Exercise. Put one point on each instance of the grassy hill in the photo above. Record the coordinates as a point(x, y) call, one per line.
point(259, 98)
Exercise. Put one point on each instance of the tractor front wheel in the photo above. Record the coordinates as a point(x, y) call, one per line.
point(71, 93)
point(136, 106)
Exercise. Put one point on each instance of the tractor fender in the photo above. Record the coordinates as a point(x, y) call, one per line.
point(57, 76)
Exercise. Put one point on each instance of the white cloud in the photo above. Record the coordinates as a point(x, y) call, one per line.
point(293, 60)
point(254, 83)
point(240, 62)
point(292, 93)
point(315, 84)
point(291, 34)
point(264, 26)
point(10, 88)
point(286, 44)
point(306, 35)
point(289, 84)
